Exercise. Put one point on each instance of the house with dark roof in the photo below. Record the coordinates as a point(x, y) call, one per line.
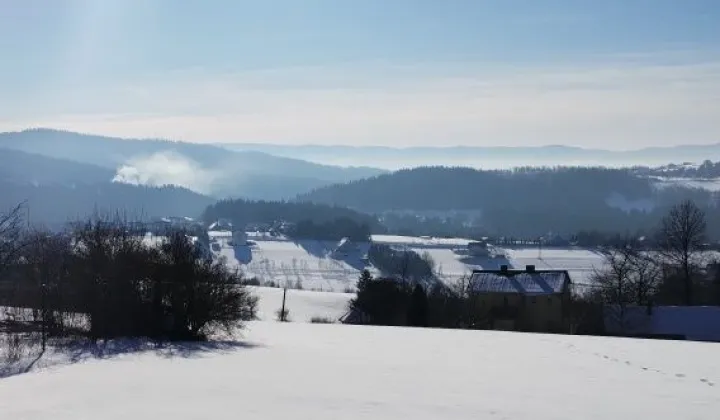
point(522, 300)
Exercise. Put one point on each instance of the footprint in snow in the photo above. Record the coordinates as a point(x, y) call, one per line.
point(707, 382)
point(680, 375)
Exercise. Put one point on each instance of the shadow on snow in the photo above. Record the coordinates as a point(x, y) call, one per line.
point(77, 351)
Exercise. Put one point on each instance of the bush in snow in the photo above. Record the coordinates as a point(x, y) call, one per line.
point(321, 320)
point(283, 315)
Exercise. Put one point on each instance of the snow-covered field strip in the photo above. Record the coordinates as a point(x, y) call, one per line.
point(302, 304)
point(311, 264)
point(306, 371)
point(580, 263)
point(287, 262)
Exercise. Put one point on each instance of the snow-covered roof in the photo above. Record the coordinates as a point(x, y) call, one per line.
point(523, 282)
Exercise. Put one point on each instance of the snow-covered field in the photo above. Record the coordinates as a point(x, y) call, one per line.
point(313, 265)
point(308, 371)
point(309, 263)
point(302, 304)
point(580, 263)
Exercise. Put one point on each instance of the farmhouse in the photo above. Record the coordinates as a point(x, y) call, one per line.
point(522, 300)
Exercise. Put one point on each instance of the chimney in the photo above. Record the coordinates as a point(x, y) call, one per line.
point(504, 268)
point(530, 268)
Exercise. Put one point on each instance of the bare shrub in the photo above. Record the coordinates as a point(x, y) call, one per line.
point(283, 315)
point(321, 320)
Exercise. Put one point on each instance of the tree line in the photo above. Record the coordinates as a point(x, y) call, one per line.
point(394, 302)
point(246, 212)
point(333, 230)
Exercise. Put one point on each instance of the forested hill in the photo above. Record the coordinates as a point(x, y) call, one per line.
point(442, 188)
point(53, 204)
point(522, 202)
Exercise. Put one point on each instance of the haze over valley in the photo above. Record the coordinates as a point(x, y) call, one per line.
point(385, 209)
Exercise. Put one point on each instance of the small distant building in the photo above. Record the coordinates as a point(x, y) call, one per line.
point(522, 300)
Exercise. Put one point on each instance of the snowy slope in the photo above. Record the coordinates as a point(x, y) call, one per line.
point(305, 371)
point(310, 263)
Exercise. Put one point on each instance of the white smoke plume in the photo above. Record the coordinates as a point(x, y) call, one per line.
point(166, 168)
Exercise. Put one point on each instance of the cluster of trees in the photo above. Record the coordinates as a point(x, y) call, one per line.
point(673, 271)
point(245, 212)
point(406, 265)
point(119, 286)
point(333, 230)
point(392, 301)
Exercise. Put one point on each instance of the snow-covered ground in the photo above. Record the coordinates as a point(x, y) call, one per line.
point(307, 371)
point(453, 264)
point(420, 242)
point(580, 263)
point(313, 264)
point(302, 304)
point(309, 263)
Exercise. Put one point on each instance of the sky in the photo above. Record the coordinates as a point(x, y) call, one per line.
point(616, 74)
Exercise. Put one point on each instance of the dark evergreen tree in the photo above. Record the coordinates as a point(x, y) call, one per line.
point(418, 308)
point(381, 301)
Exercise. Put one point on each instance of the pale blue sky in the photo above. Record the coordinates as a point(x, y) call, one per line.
point(613, 73)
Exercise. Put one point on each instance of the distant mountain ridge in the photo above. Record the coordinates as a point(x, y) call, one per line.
point(58, 190)
point(204, 168)
point(490, 157)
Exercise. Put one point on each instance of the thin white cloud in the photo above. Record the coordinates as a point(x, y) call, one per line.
point(615, 105)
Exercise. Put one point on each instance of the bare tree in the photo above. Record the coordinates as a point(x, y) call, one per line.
point(682, 235)
point(46, 269)
point(10, 232)
point(631, 277)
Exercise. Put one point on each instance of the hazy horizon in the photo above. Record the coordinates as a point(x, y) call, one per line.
point(616, 74)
